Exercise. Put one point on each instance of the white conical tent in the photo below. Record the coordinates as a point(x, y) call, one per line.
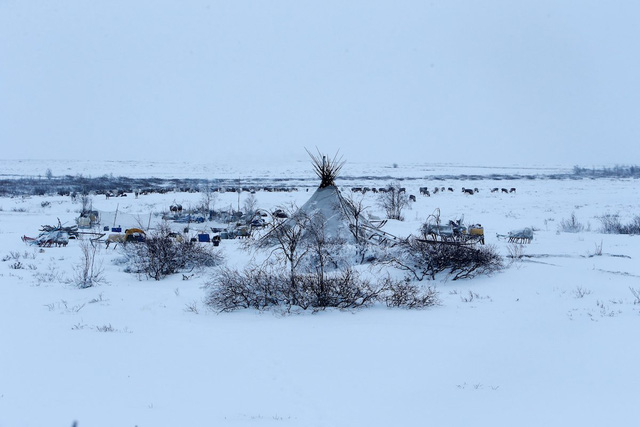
point(338, 214)
point(339, 217)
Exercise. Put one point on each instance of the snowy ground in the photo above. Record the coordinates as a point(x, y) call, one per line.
point(552, 340)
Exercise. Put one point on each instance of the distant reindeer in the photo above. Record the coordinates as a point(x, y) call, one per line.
point(115, 239)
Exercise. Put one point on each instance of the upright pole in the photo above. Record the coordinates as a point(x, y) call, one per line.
point(116, 215)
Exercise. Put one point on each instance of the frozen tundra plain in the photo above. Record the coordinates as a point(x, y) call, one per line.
point(551, 340)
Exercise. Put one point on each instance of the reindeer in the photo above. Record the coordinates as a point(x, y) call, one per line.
point(115, 238)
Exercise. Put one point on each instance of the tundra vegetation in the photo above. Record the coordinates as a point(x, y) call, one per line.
point(161, 255)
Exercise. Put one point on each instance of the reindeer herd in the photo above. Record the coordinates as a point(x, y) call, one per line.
point(425, 191)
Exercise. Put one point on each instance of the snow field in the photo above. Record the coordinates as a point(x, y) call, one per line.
point(549, 341)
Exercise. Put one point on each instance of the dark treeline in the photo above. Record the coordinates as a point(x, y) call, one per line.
point(605, 172)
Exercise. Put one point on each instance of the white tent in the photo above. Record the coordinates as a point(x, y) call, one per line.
point(340, 218)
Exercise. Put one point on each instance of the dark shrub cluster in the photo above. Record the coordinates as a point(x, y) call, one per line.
point(618, 171)
point(409, 295)
point(425, 259)
point(611, 224)
point(161, 255)
point(263, 289)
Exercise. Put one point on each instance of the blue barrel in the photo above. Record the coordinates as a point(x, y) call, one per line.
point(203, 237)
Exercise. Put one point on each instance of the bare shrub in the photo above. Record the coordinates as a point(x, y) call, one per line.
point(358, 209)
point(469, 262)
point(52, 275)
point(208, 200)
point(286, 239)
point(406, 294)
point(516, 252)
point(16, 256)
point(471, 296)
point(250, 204)
point(421, 258)
point(252, 287)
point(160, 255)
point(105, 328)
point(86, 202)
point(344, 290)
point(98, 299)
point(611, 224)
point(393, 200)
point(636, 294)
point(571, 225)
point(87, 272)
point(16, 265)
point(192, 307)
point(323, 252)
point(598, 250)
point(581, 292)
point(262, 289)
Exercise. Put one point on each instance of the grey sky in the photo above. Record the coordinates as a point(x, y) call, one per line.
point(492, 82)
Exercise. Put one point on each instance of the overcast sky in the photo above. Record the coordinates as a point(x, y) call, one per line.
point(476, 82)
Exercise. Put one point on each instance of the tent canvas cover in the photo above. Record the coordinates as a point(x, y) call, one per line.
point(339, 215)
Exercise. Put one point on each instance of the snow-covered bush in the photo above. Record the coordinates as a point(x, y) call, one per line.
point(88, 273)
point(422, 259)
point(571, 225)
point(161, 255)
point(252, 287)
point(345, 290)
point(611, 224)
point(393, 200)
point(407, 294)
point(516, 252)
point(262, 289)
